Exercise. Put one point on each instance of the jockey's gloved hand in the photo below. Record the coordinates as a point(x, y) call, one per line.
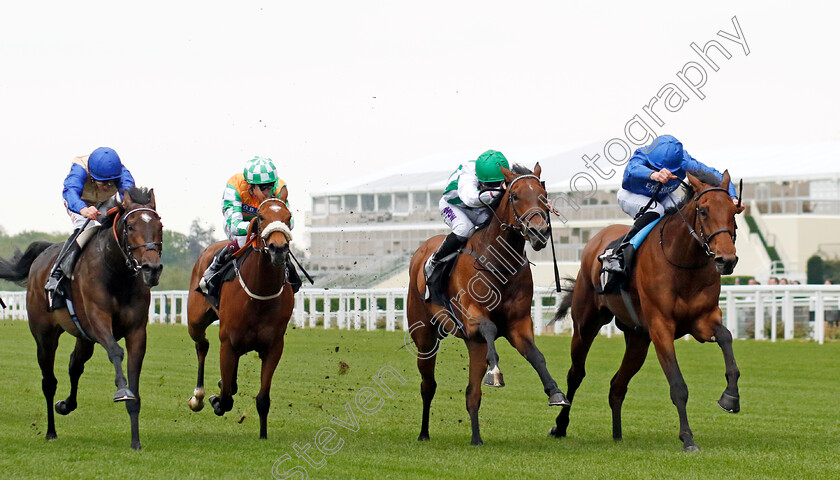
point(487, 196)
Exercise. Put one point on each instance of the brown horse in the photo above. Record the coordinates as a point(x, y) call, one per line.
point(253, 311)
point(675, 291)
point(491, 294)
point(110, 293)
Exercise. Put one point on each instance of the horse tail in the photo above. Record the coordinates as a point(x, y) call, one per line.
point(17, 269)
point(566, 302)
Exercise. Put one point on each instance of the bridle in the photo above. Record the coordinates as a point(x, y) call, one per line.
point(522, 222)
point(701, 237)
point(275, 226)
point(126, 248)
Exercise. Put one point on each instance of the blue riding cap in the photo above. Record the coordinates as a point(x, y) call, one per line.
point(104, 164)
point(665, 152)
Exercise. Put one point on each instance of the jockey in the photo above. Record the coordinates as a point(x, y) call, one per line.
point(92, 179)
point(662, 162)
point(243, 195)
point(464, 207)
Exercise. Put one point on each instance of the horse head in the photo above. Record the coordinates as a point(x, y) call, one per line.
point(715, 214)
point(528, 206)
point(273, 225)
point(141, 234)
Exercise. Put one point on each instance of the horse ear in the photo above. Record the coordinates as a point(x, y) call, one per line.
point(724, 183)
point(509, 176)
point(284, 193)
point(537, 169)
point(696, 184)
point(152, 197)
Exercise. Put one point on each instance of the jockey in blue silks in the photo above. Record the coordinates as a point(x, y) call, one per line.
point(665, 162)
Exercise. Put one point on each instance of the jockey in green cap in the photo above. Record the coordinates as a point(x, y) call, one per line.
point(464, 207)
point(243, 195)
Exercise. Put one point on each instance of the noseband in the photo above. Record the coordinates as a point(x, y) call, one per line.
point(126, 248)
point(275, 226)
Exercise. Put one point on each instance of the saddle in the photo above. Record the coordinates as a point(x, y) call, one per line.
point(225, 274)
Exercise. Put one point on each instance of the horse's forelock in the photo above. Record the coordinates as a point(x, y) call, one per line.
point(521, 169)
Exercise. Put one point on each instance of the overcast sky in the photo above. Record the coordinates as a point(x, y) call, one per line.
point(185, 92)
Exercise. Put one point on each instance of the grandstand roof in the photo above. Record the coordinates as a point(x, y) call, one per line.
point(770, 162)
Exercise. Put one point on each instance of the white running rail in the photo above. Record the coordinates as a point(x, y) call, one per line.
point(762, 312)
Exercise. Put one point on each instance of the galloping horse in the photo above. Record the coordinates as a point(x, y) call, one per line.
point(676, 287)
point(111, 301)
point(491, 294)
point(253, 312)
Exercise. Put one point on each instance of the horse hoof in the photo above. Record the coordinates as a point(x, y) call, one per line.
point(494, 378)
point(477, 443)
point(217, 405)
point(423, 438)
point(195, 404)
point(691, 448)
point(553, 432)
point(136, 446)
point(63, 408)
point(558, 399)
point(729, 403)
point(51, 436)
point(123, 395)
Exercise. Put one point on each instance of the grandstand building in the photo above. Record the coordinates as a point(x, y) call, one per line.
point(364, 235)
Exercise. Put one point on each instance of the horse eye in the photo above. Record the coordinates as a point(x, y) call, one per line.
point(513, 196)
point(130, 228)
point(703, 212)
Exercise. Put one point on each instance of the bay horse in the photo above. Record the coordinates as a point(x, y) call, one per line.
point(491, 293)
point(253, 312)
point(110, 295)
point(675, 289)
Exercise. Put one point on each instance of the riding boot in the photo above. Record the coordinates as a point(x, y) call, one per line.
point(617, 261)
point(433, 269)
point(209, 282)
point(293, 278)
point(63, 267)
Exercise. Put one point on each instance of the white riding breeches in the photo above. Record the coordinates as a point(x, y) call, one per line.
point(462, 220)
point(631, 203)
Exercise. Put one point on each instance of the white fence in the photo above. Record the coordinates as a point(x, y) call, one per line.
point(760, 312)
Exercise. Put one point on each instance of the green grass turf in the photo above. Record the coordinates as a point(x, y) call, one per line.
point(788, 426)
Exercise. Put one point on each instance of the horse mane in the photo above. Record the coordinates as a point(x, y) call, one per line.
point(688, 191)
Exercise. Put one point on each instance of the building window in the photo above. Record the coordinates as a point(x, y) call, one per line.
point(351, 203)
point(385, 202)
point(418, 202)
point(368, 203)
point(400, 203)
point(335, 205)
point(319, 206)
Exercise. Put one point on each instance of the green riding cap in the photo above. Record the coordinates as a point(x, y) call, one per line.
point(488, 166)
point(259, 171)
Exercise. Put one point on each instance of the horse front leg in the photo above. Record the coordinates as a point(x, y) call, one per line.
point(101, 332)
point(81, 354)
point(269, 364)
point(522, 339)
point(663, 341)
point(135, 343)
point(730, 399)
point(489, 332)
